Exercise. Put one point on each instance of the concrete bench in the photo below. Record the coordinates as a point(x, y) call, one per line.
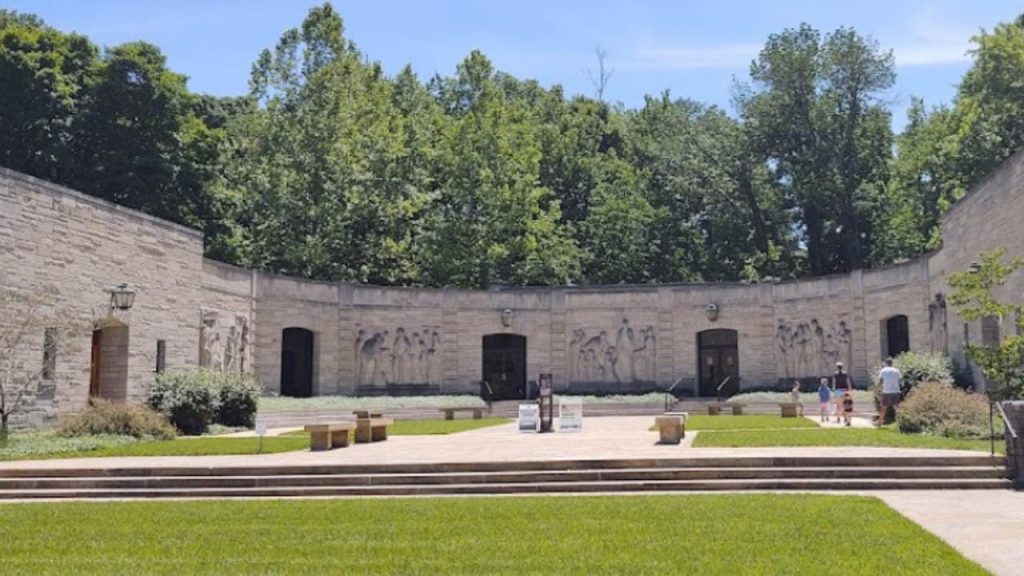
point(790, 409)
point(367, 414)
point(714, 408)
point(372, 429)
point(671, 427)
point(327, 436)
point(449, 413)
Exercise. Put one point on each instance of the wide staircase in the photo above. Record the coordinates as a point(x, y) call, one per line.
point(538, 477)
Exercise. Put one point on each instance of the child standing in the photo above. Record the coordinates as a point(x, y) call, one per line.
point(824, 397)
point(794, 395)
point(847, 406)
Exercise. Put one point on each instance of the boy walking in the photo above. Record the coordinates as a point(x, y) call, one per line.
point(824, 398)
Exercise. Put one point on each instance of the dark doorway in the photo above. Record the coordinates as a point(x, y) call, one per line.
point(108, 371)
point(504, 366)
point(897, 336)
point(718, 355)
point(297, 362)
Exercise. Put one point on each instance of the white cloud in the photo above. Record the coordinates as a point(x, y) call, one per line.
point(930, 41)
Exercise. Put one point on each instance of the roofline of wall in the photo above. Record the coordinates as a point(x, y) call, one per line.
point(14, 175)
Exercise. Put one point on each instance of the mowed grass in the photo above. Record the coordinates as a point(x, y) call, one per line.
point(692, 534)
point(884, 437)
point(745, 422)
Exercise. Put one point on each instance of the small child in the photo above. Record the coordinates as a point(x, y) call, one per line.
point(824, 397)
point(848, 406)
point(794, 395)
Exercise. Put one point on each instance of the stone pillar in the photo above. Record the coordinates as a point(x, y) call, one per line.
point(1015, 446)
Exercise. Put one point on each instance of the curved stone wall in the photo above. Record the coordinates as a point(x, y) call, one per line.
point(376, 340)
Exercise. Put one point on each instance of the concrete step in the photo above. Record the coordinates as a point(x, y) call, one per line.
point(764, 462)
point(519, 477)
point(512, 488)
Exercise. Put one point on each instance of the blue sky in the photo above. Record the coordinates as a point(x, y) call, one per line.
point(694, 48)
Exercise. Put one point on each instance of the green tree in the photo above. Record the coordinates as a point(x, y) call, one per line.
point(492, 221)
point(43, 72)
point(973, 299)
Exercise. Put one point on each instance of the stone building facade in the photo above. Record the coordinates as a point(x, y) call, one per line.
point(301, 337)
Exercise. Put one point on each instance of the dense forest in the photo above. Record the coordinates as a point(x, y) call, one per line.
point(331, 169)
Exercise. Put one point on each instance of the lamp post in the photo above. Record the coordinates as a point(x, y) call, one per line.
point(121, 297)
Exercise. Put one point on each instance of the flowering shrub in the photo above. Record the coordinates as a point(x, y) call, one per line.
point(940, 409)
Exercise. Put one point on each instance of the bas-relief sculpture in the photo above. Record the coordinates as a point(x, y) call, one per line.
point(626, 355)
point(812, 348)
point(404, 356)
point(224, 346)
point(938, 326)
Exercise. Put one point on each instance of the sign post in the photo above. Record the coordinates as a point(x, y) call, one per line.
point(261, 431)
point(529, 417)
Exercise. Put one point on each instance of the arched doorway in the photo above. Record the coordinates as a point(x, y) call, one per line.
point(504, 366)
point(895, 336)
point(297, 362)
point(108, 373)
point(718, 358)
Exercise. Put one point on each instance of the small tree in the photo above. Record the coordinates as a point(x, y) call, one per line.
point(26, 365)
point(972, 297)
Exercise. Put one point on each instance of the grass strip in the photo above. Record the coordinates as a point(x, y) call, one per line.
point(885, 437)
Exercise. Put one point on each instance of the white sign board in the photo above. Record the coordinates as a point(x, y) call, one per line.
point(570, 415)
point(529, 417)
point(261, 428)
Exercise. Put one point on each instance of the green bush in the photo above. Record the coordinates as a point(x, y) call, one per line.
point(193, 399)
point(239, 397)
point(189, 398)
point(103, 417)
point(942, 410)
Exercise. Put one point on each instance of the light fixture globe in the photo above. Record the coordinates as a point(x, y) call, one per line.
point(506, 317)
point(121, 297)
point(711, 311)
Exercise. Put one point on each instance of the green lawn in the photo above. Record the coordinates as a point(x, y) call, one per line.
point(746, 422)
point(38, 446)
point(691, 534)
point(888, 437)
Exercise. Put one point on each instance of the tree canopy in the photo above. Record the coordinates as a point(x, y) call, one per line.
point(330, 169)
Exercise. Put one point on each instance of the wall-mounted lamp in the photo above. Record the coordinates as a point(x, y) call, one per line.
point(506, 317)
point(711, 311)
point(121, 297)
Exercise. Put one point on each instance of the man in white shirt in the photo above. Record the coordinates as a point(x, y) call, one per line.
point(889, 378)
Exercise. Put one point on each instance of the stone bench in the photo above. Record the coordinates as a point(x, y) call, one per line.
point(327, 436)
point(374, 429)
point(367, 414)
point(449, 413)
point(714, 408)
point(671, 427)
point(789, 409)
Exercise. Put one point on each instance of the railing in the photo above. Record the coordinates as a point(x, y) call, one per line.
point(1008, 427)
point(490, 394)
point(718, 390)
point(668, 392)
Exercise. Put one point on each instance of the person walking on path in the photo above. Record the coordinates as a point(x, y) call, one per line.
point(824, 398)
point(889, 378)
point(841, 383)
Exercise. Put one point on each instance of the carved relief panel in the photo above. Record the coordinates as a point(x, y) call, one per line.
point(625, 353)
point(399, 356)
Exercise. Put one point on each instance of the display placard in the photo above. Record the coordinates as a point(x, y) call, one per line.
point(570, 415)
point(529, 417)
point(545, 381)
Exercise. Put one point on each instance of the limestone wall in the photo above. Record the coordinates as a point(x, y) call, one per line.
point(369, 340)
point(74, 247)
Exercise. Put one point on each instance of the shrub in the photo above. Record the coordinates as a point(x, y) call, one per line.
point(195, 398)
point(940, 409)
point(918, 367)
point(239, 397)
point(188, 398)
point(103, 417)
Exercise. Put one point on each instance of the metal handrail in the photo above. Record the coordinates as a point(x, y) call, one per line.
point(1006, 421)
point(670, 389)
point(718, 390)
